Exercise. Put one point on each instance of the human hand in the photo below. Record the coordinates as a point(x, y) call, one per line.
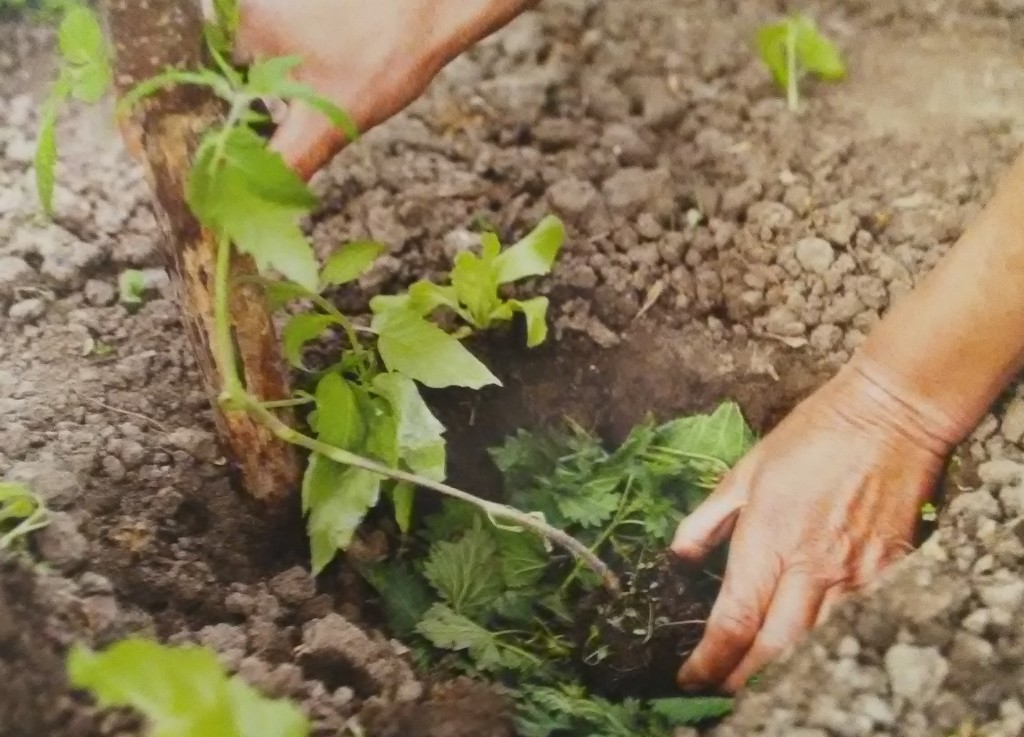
point(372, 59)
point(818, 508)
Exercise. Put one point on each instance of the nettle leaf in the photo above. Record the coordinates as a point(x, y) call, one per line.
point(301, 329)
point(403, 594)
point(534, 255)
point(337, 499)
point(686, 710)
point(816, 53)
point(339, 417)
point(350, 261)
point(420, 435)
point(467, 572)
point(522, 556)
point(241, 189)
point(450, 630)
point(592, 505)
point(723, 435)
point(535, 311)
point(422, 351)
point(182, 692)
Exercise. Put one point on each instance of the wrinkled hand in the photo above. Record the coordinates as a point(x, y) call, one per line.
point(372, 59)
point(817, 509)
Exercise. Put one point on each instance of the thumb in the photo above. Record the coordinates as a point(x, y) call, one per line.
point(306, 139)
point(710, 524)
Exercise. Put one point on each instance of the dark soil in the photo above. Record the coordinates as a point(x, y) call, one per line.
point(633, 645)
point(627, 118)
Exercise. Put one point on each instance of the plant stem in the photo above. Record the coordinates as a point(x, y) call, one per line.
point(792, 88)
point(235, 396)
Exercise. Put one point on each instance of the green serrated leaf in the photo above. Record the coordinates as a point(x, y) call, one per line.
point(350, 261)
point(340, 419)
point(403, 595)
point(522, 556)
point(723, 435)
point(467, 572)
point(817, 54)
point(594, 504)
point(182, 692)
point(420, 435)
point(336, 498)
point(535, 311)
point(241, 189)
point(686, 710)
point(534, 254)
point(131, 287)
point(422, 351)
point(450, 630)
point(300, 330)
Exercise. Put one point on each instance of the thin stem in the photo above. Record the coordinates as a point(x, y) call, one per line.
point(235, 396)
point(286, 403)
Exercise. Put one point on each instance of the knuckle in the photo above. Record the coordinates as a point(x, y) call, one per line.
point(734, 624)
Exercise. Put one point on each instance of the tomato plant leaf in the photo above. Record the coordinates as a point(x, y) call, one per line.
point(466, 573)
point(420, 435)
point(280, 293)
point(242, 189)
point(181, 691)
point(339, 417)
point(534, 254)
point(535, 311)
point(350, 261)
point(337, 499)
point(300, 330)
point(422, 351)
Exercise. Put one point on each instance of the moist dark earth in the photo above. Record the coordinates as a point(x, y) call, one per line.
point(719, 247)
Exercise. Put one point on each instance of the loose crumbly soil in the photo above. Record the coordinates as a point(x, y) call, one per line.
point(627, 118)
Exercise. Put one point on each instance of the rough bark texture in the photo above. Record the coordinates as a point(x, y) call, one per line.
point(148, 38)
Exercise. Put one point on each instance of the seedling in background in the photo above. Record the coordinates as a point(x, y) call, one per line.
point(928, 512)
point(131, 287)
point(792, 48)
point(181, 691)
point(21, 512)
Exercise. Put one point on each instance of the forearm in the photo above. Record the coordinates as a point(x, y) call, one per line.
point(956, 341)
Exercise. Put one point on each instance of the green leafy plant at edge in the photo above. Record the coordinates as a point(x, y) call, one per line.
point(181, 691)
point(370, 423)
point(21, 513)
point(793, 47)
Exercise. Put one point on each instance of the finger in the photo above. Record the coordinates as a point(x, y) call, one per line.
point(834, 596)
point(709, 525)
point(733, 623)
point(306, 139)
point(792, 612)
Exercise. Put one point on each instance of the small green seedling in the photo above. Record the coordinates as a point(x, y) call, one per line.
point(131, 287)
point(181, 691)
point(21, 512)
point(794, 47)
point(928, 512)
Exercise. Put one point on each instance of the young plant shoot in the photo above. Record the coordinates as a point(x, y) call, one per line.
point(794, 47)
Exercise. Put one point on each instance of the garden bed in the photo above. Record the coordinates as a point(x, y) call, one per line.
point(719, 248)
